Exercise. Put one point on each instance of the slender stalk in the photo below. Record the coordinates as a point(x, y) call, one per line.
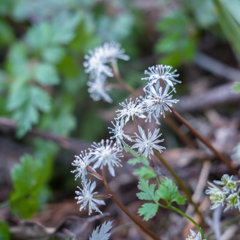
point(184, 215)
point(136, 220)
point(120, 80)
point(95, 173)
point(184, 137)
point(180, 183)
point(205, 141)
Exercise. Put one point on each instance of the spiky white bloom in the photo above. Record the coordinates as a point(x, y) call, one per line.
point(157, 101)
point(232, 201)
point(101, 233)
point(131, 109)
point(81, 162)
point(217, 196)
point(146, 144)
point(194, 236)
point(229, 185)
point(98, 88)
point(161, 72)
point(96, 62)
point(111, 51)
point(86, 196)
point(119, 133)
point(106, 155)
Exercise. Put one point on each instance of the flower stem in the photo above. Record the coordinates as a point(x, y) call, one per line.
point(95, 173)
point(184, 215)
point(136, 220)
point(120, 80)
point(205, 141)
point(180, 183)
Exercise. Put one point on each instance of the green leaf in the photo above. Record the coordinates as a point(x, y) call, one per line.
point(236, 87)
point(39, 36)
point(148, 192)
point(148, 210)
point(4, 231)
point(53, 54)
point(168, 191)
point(28, 178)
point(46, 74)
point(145, 172)
point(7, 35)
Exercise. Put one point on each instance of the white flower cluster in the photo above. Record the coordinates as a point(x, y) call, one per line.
point(228, 195)
point(194, 236)
point(157, 100)
point(101, 154)
point(96, 66)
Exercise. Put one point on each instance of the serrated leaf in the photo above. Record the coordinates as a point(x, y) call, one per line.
point(138, 158)
point(4, 231)
point(236, 87)
point(148, 192)
point(145, 172)
point(28, 179)
point(46, 74)
point(148, 210)
point(168, 191)
point(53, 54)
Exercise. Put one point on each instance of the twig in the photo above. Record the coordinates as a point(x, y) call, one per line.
point(218, 68)
point(205, 141)
point(210, 98)
point(75, 145)
point(136, 220)
point(180, 183)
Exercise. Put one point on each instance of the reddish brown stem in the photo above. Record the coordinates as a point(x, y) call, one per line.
point(205, 141)
point(95, 173)
point(136, 220)
point(120, 80)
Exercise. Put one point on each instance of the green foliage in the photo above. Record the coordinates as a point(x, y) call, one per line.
point(143, 172)
point(28, 178)
point(4, 231)
point(236, 87)
point(148, 210)
point(178, 40)
point(148, 191)
point(167, 191)
point(228, 15)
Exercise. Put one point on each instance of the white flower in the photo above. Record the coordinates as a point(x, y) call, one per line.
point(106, 155)
point(145, 144)
point(119, 133)
point(131, 109)
point(236, 154)
point(86, 196)
point(101, 233)
point(111, 51)
point(161, 72)
point(98, 89)
point(233, 201)
point(96, 62)
point(194, 236)
point(81, 162)
point(217, 196)
point(228, 184)
point(157, 102)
